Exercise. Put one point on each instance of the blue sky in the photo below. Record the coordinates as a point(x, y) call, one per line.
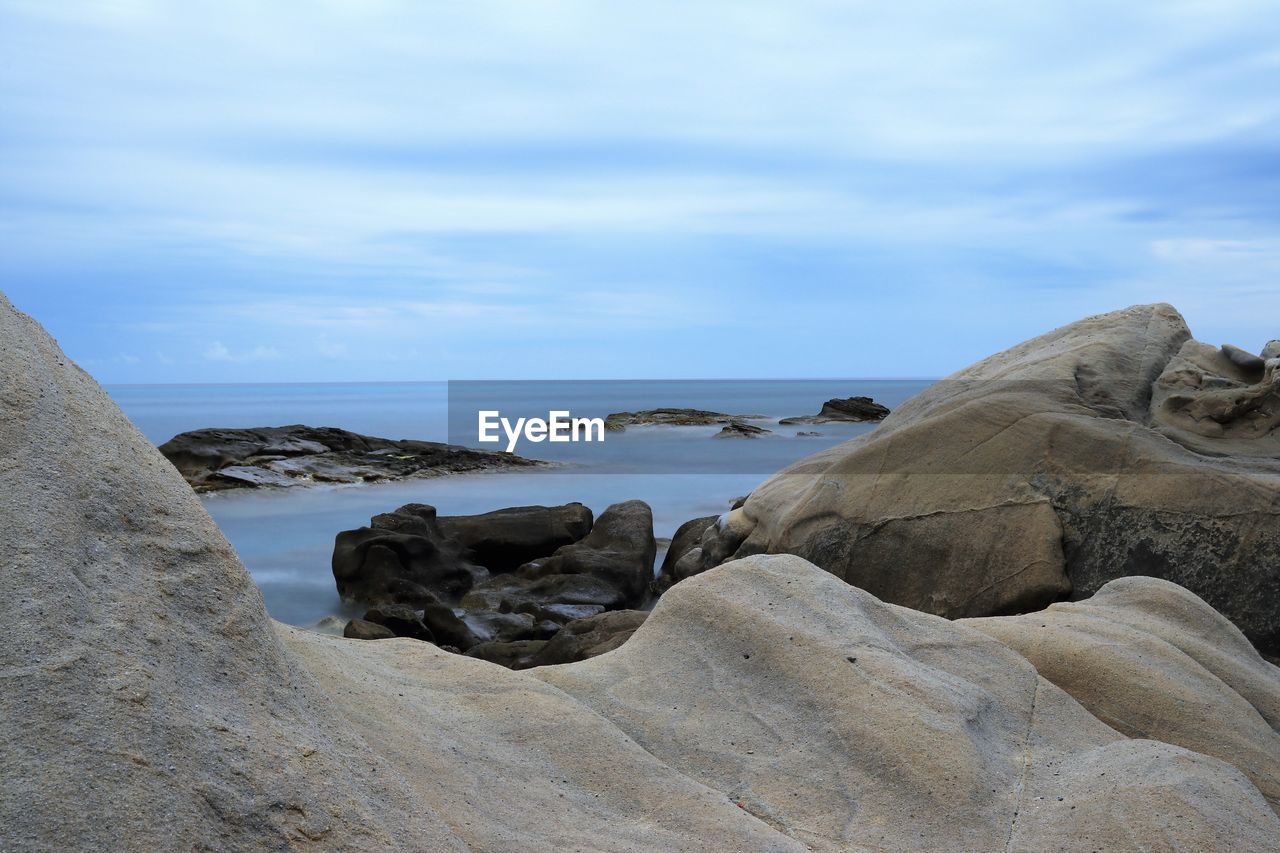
point(234, 191)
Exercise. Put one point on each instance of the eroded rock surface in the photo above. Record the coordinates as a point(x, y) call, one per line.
point(847, 409)
point(1044, 472)
point(296, 455)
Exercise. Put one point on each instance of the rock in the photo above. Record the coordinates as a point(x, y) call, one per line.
point(587, 638)
point(506, 539)
point(332, 625)
point(688, 538)
point(619, 421)
point(217, 459)
point(854, 409)
point(433, 623)
point(403, 557)
point(806, 434)
point(1243, 359)
point(1044, 472)
point(401, 621)
point(359, 629)
point(739, 429)
point(490, 626)
point(514, 655)
point(1271, 350)
point(762, 706)
point(611, 567)
point(903, 730)
point(1151, 660)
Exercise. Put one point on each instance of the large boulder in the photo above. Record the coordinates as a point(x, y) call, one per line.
point(611, 567)
point(762, 706)
point(1113, 446)
point(216, 459)
point(506, 539)
point(851, 724)
point(589, 637)
point(402, 557)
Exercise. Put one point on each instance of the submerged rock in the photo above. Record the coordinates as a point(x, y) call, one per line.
point(1099, 450)
point(587, 638)
point(740, 429)
point(219, 459)
point(619, 421)
point(851, 409)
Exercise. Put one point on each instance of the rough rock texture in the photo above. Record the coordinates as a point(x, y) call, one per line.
point(850, 409)
point(619, 421)
point(1046, 471)
point(611, 567)
point(217, 459)
point(587, 638)
point(1151, 660)
point(359, 629)
point(762, 706)
point(402, 557)
point(742, 429)
point(853, 724)
point(685, 550)
point(506, 539)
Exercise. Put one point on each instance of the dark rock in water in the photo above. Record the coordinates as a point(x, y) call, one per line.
point(851, 409)
point(434, 623)
point(490, 626)
point(739, 429)
point(517, 655)
point(688, 538)
point(610, 567)
point(805, 434)
point(402, 557)
point(619, 421)
point(359, 629)
point(559, 614)
point(217, 459)
point(506, 539)
point(587, 638)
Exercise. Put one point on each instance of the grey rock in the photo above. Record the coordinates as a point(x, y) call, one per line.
point(619, 421)
point(590, 637)
point(359, 629)
point(741, 429)
point(506, 539)
point(849, 409)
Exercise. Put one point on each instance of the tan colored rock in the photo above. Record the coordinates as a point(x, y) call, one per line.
point(1044, 471)
point(1151, 660)
point(853, 724)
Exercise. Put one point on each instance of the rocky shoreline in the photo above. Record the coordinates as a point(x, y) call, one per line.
point(288, 456)
point(776, 698)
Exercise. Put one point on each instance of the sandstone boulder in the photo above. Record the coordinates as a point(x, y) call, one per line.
point(1113, 446)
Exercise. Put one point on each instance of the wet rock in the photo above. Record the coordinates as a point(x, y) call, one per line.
point(587, 638)
point(741, 429)
point(506, 539)
point(619, 421)
point(515, 655)
point(360, 629)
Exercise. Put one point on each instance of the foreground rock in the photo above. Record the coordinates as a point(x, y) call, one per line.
point(219, 459)
point(848, 409)
point(762, 706)
point(1114, 446)
point(619, 421)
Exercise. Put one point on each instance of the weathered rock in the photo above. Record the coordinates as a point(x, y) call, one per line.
point(1043, 472)
point(611, 567)
point(742, 429)
point(402, 621)
point(506, 539)
point(518, 654)
point(850, 409)
point(587, 638)
point(619, 421)
point(1151, 660)
point(359, 629)
point(433, 623)
point(216, 459)
point(403, 557)
point(1271, 350)
point(490, 626)
point(902, 730)
point(763, 706)
point(688, 539)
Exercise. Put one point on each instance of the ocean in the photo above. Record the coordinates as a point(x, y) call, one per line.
point(285, 537)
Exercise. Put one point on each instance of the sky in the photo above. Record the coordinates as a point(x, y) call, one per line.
point(378, 191)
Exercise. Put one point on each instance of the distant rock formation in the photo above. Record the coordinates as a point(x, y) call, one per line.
point(851, 409)
point(741, 429)
point(619, 421)
point(764, 705)
point(1113, 446)
point(217, 459)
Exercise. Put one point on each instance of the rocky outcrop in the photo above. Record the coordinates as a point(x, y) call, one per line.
point(849, 409)
point(1045, 471)
point(742, 429)
point(218, 459)
point(506, 539)
point(611, 567)
point(765, 705)
point(619, 421)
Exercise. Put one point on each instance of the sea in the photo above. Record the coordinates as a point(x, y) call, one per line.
point(285, 537)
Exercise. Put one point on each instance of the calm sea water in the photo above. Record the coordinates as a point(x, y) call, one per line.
point(285, 538)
